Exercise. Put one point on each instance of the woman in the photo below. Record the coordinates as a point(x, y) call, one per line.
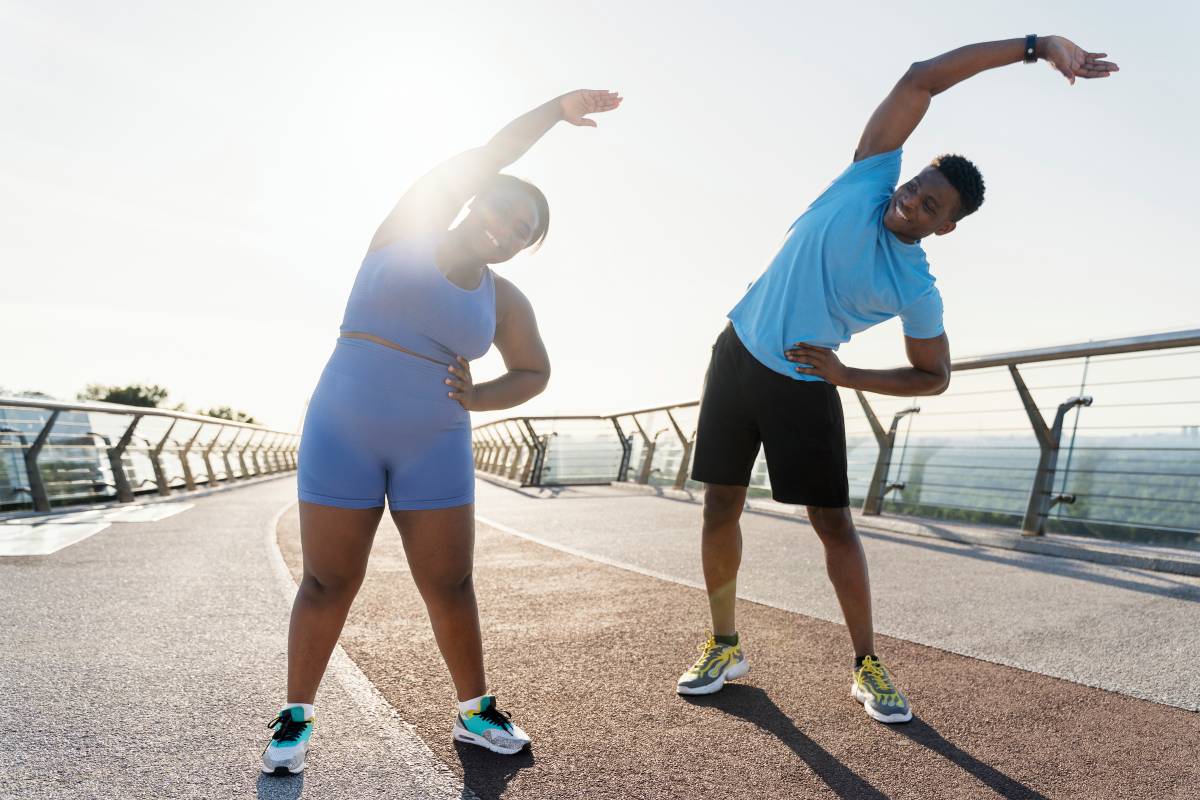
point(390, 416)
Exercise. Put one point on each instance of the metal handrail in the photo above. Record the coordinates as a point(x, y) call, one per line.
point(1105, 347)
point(280, 456)
point(117, 408)
point(1047, 430)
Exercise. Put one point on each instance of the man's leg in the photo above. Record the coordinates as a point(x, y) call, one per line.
point(846, 564)
point(721, 657)
point(847, 567)
point(721, 552)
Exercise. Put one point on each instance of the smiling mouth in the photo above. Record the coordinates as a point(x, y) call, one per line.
point(900, 213)
point(495, 242)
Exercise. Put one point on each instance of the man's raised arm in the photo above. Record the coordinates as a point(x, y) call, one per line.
point(902, 110)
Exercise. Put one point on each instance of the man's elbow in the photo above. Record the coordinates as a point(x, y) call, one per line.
point(920, 77)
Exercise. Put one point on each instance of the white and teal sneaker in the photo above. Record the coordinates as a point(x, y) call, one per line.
point(491, 728)
point(717, 663)
point(288, 747)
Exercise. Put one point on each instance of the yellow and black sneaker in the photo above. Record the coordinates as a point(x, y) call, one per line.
point(717, 663)
point(873, 687)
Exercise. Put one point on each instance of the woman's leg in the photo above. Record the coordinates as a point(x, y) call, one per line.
point(440, 545)
point(337, 543)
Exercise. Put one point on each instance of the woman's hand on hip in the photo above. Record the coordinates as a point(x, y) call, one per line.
point(460, 380)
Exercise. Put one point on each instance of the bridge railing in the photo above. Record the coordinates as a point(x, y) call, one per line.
point(1097, 438)
point(58, 454)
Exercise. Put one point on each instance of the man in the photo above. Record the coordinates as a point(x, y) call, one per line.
point(852, 260)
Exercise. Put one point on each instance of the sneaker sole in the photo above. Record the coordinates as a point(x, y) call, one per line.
point(466, 737)
point(890, 719)
point(282, 769)
point(733, 673)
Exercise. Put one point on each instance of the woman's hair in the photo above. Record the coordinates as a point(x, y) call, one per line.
point(534, 193)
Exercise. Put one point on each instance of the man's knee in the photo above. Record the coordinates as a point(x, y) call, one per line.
point(723, 504)
point(831, 523)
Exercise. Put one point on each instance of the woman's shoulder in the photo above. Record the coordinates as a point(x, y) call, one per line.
point(509, 298)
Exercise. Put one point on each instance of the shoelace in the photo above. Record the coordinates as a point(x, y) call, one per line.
point(876, 671)
point(289, 729)
point(497, 717)
point(708, 651)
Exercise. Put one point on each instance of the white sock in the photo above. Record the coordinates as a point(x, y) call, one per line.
point(474, 704)
point(309, 713)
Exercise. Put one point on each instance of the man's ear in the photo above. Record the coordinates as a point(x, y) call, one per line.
point(949, 226)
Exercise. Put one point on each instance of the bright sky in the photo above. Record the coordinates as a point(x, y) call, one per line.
point(186, 190)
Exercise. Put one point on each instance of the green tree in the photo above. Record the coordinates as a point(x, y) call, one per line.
point(225, 412)
point(135, 394)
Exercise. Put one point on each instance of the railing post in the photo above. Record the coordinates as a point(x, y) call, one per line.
point(37, 486)
point(242, 456)
point(189, 480)
point(648, 446)
point(506, 468)
point(626, 451)
point(477, 447)
point(229, 476)
point(115, 456)
point(259, 468)
point(498, 452)
point(1041, 496)
point(485, 449)
point(489, 449)
point(685, 460)
point(502, 457)
point(524, 451)
point(207, 455)
point(160, 474)
point(877, 490)
point(533, 474)
point(269, 465)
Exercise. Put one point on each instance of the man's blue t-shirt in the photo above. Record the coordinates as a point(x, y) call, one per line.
point(839, 272)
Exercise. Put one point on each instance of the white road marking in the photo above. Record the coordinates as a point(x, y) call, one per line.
point(41, 536)
point(46, 538)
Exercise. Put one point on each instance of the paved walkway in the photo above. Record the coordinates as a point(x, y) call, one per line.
point(145, 660)
point(1128, 630)
point(585, 654)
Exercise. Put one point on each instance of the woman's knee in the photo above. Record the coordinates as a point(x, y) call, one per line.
point(446, 588)
point(330, 587)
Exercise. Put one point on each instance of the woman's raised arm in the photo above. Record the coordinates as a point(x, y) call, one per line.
point(432, 203)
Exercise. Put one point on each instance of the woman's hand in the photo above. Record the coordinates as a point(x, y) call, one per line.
point(578, 104)
point(461, 381)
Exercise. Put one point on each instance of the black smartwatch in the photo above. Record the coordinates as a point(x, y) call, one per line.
point(1031, 49)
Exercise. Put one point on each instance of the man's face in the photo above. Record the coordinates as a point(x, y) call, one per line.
point(925, 205)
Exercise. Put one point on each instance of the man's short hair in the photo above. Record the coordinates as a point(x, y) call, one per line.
point(966, 180)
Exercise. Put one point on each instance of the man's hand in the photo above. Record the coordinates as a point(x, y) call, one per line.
point(578, 104)
point(1072, 60)
point(462, 382)
point(820, 361)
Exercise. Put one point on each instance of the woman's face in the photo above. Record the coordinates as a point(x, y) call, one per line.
point(501, 223)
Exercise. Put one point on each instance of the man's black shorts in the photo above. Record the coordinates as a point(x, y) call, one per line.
point(799, 423)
